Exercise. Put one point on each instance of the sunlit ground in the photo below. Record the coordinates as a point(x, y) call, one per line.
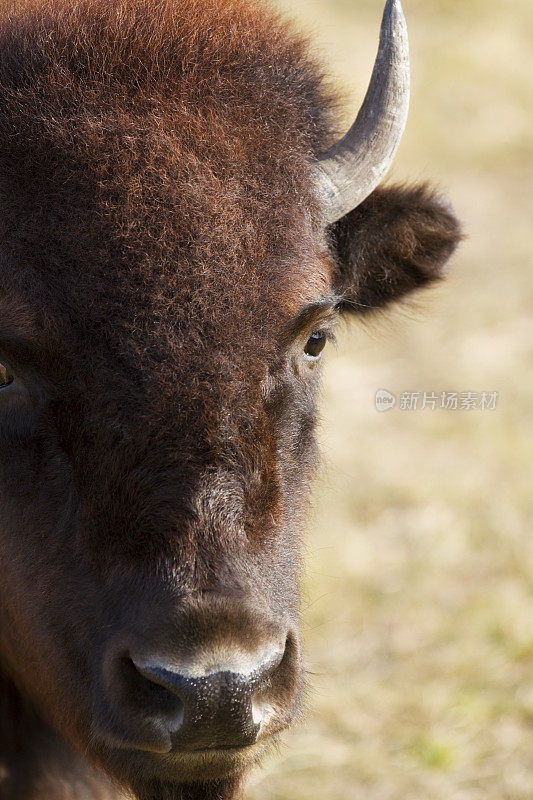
point(418, 597)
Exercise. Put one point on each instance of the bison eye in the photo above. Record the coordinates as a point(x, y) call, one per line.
point(315, 344)
point(5, 377)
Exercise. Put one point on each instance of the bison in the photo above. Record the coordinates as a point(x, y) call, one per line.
point(180, 230)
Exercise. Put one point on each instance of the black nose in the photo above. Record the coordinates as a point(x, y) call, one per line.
point(213, 675)
point(224, 709)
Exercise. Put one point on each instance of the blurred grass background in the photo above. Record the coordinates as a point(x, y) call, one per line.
point(418, 609)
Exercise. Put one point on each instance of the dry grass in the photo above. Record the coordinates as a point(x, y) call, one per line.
point(419, 612)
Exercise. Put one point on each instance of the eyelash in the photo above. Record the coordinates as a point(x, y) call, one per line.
point(327, 331)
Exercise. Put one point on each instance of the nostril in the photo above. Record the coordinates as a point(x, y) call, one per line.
point(143, 691)
point(215, 709)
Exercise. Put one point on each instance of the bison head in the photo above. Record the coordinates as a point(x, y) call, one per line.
point(178, 240)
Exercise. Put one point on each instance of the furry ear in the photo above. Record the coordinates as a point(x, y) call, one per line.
point(398, 240)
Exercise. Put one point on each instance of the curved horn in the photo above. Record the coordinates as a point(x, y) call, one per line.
point(355, 165)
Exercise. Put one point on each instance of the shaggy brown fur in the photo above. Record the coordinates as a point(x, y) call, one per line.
point(163, 261)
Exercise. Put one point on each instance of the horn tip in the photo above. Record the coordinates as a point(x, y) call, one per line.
point(394, 5)
point(394, 24)
point(393, 11)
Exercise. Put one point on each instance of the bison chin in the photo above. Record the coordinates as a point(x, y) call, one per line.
point(224, 789)
point(207, 775)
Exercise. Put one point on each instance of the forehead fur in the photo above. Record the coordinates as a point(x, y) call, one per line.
point(155, 166)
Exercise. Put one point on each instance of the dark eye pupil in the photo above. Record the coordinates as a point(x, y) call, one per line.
point(5, 377)
point(315, 344)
